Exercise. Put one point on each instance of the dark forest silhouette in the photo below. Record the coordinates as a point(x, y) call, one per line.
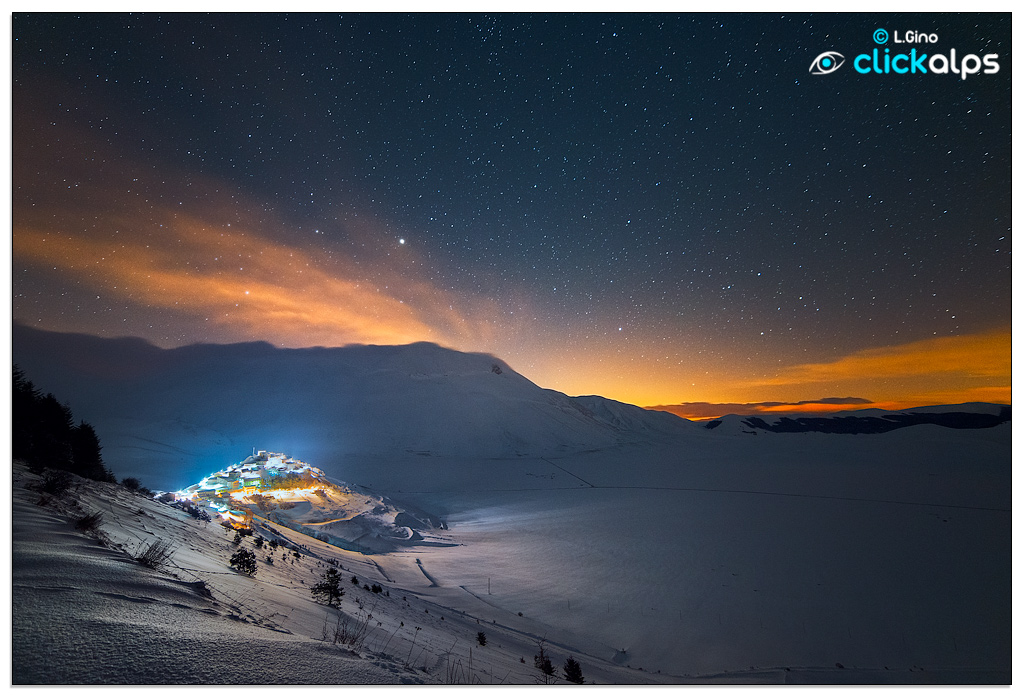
point(44, 434)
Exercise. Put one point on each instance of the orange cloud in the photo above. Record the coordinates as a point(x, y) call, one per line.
point(698, 411)
point(974, 356)
point(148, 236)
point(945, 370)
point(253, 287)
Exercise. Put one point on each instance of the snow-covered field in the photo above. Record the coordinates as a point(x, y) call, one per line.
point(86, 612)
point(650, 548)
point(699, 577)
point(888, 552)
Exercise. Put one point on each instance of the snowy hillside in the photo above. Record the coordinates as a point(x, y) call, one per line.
point(277, 488)
point(634, 538)
point(172, 416)
point(87, 612)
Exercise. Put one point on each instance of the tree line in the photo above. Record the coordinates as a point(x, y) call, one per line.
point(44, 434)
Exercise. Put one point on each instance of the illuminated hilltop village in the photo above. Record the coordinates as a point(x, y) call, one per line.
point(275, 488)
point(261, 475)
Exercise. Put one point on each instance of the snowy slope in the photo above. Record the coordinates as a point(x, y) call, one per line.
point(682, 591)
point(171, 416)
point(86, 613)
point(643, 542)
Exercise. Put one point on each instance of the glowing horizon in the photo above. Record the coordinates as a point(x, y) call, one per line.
point(788, 269)
point(242, 285)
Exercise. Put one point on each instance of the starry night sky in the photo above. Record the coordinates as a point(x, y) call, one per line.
point(656, 208)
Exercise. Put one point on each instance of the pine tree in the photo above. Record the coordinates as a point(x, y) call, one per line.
point(543, 663)
point(244, 561)
point(53, 446)
point(328, 589)
point(85, 451)
point(24, 418)
point(572, 671)
point(44, 434)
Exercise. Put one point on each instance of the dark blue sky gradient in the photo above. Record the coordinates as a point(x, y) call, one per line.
point(678, 183)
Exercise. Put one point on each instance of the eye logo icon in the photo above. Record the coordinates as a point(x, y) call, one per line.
point(827, 62)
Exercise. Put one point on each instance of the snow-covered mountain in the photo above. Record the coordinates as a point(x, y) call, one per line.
point(171, 416)
point(640, 539)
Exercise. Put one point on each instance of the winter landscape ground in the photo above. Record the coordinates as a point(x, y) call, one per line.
point(650, 548)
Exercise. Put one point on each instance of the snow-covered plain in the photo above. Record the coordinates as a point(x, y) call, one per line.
point(635, 541)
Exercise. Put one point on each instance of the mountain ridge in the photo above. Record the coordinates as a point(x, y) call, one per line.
point(189, 410)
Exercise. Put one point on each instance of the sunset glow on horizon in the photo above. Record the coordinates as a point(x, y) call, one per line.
point(603, 225)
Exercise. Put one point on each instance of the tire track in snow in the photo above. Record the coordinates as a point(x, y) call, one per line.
point(567, 472)
point(384, 573)
point(433, 581)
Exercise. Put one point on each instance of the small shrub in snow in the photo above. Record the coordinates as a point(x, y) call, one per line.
point(258, 542)
point(328, 589)
point(244, 561)
point(90, 522)
point(481, 638)
point(131, 483)
point(238, 538)
point(355, 581)
point(200, 588)
point(56, 483)
point(155, 555)
point(376, 588)
point(348, 631)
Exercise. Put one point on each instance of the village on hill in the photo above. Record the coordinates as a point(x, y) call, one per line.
point(262, 474)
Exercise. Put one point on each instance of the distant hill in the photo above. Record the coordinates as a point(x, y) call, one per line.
point(171, 416)
point(972, 415)
point(954, 418)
